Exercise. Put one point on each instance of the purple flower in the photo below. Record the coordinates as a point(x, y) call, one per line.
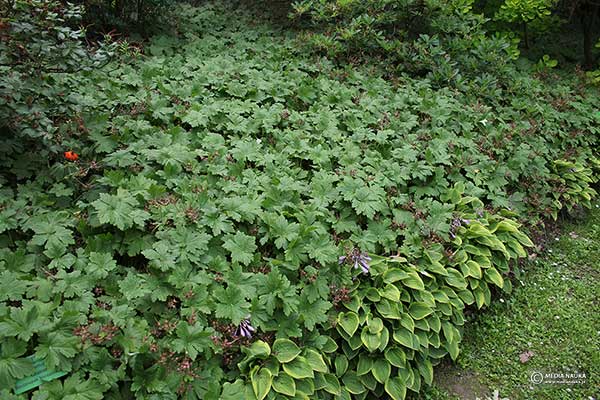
point(245, 329)
point(457, 223)
point(358, 258)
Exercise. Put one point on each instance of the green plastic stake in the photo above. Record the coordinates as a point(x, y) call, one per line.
point(40, 376)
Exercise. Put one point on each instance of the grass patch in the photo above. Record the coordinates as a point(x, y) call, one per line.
point(550, 313)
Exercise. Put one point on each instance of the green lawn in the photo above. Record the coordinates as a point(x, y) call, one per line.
point(552, 312)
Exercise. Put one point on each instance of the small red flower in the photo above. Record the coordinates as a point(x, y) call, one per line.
point(71, 155)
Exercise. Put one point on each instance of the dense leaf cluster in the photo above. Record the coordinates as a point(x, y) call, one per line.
point(137, 17)
point(204, 243)
point(442, 39)
point(39, 49)
point(465, 44)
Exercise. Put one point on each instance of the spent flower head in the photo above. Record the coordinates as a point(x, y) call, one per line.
point(358, 258)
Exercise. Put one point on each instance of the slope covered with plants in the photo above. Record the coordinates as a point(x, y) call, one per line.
point(227, 217)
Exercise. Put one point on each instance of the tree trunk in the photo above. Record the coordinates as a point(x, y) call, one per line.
point(140, 10)
point(526, 35)
point(588, 31)
point(119, 8)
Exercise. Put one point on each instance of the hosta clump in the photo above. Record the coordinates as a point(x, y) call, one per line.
point(286, 370)
point(407, 316)
point(573, 184)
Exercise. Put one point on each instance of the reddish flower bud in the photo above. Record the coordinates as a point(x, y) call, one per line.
point(71, 155)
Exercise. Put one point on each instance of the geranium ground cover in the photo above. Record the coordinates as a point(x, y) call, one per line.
point(244, 221)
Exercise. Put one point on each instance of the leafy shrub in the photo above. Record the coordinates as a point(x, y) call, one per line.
point(525, 13)
point(594, 76)
point(141, 16)
point(39, 51)
point(545, 63)
point(243, 221)
point(443, 40)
